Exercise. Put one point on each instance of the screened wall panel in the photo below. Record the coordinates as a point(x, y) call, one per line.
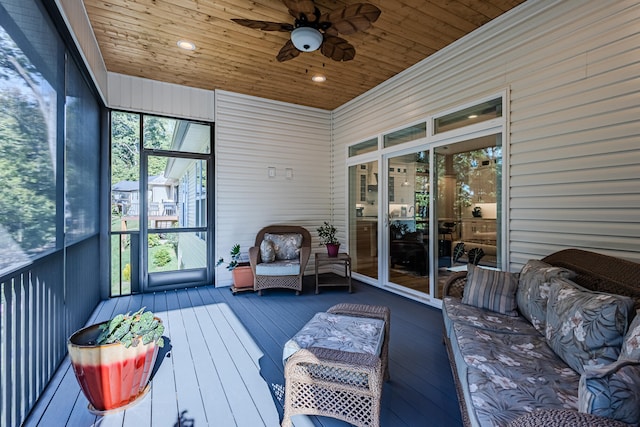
point(82, 161)
point(49, 174)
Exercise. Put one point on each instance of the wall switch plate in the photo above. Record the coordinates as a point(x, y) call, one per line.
point(271, 172)
point(288, 173)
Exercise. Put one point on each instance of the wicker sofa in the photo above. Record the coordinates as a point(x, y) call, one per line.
point(290, 249)
point(521, 363)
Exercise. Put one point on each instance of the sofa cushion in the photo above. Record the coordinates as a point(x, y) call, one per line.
point(286, 245)
point(491, 289)
point(456, 312)
point(585, 328)
point(506, 375)
point(631, 344)
point(267, 251)
point(533, 290)
point(612, 391)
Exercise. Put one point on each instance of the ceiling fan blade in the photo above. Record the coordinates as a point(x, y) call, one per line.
point(337, 49)
point(264, 25)
point(287, 52)
point(297, 8)
point(352, 18)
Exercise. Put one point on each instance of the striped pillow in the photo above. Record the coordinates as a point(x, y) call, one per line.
point(491, 289)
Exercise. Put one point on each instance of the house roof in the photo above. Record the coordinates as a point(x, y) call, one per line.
point(139, 38)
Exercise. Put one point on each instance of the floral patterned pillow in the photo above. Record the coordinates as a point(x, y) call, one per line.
point(533, 290)
point(286, 245)
point(585, 328)
point(631, 345)
point(267, 251)
point(612, 391)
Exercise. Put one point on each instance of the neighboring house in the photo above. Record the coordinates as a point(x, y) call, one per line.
point(125, 196)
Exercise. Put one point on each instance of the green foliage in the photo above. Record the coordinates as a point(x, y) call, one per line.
point(235, 257)
point(327, 234)
point(162, 257)
point(28, 203)
point(154, 240)
point(126, 272)
point(130, 329)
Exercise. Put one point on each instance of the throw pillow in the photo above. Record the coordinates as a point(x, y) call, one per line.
point(491, 289)
point(286, 245)
point(267, 252)
point(612, 391)
point(585, 328)
point(631, 344)
point(533, 290)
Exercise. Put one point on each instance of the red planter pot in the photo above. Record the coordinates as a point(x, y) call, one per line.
point(111, 376)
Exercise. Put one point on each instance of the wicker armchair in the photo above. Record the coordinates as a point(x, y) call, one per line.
point(339, 384)
point(264, 279)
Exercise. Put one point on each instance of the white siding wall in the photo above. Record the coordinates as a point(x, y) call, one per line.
point(572, 69)
point(75, 16)
point(151, 96)
point(253, 134)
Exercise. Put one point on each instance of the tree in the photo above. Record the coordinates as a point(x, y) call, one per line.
point(27, 152)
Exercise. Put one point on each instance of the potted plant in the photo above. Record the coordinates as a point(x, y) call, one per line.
point(240, 270)
point(327, 235)
point(113, 360)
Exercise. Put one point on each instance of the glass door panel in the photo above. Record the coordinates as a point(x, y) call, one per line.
point(176, 214)
point(408, 219)
point(468, 183)
point(363, 218)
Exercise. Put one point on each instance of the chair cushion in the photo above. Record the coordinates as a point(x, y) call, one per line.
point(585, 328)
point(631, 344)
point(267, 251)
point(533, 290)
point(286, 245)
point(612, 391)
point(278, 268)
point(491, 289)
point(338, 332)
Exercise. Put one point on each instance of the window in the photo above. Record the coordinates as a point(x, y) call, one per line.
point(468, 116)
point(363, 147)
point(407, 134)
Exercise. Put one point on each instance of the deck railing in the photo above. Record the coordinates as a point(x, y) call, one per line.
point(41, 305)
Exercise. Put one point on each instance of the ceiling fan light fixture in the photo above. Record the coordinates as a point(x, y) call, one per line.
point(306, 39)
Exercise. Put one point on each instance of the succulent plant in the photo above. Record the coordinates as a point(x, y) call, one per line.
point(130, 329)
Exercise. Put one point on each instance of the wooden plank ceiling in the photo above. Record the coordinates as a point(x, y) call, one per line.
point(139, 38)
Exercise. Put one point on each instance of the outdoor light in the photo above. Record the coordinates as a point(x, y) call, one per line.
point(306, 39)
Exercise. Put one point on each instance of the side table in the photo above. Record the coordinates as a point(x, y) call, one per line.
point(342, 258)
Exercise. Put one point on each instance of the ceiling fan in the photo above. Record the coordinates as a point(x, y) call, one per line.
point(312, 30)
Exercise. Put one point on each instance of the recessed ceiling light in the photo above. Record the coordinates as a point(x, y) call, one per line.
point(473, 116)
point(319, 78)
point(186, 45)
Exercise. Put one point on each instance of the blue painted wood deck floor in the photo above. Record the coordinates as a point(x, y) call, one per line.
point(224, 364)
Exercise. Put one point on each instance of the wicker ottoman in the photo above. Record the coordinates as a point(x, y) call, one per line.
point(338, 384)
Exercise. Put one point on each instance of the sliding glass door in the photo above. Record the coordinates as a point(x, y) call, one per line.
point(426, 201)
point(468, 205)
point(407, 213)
